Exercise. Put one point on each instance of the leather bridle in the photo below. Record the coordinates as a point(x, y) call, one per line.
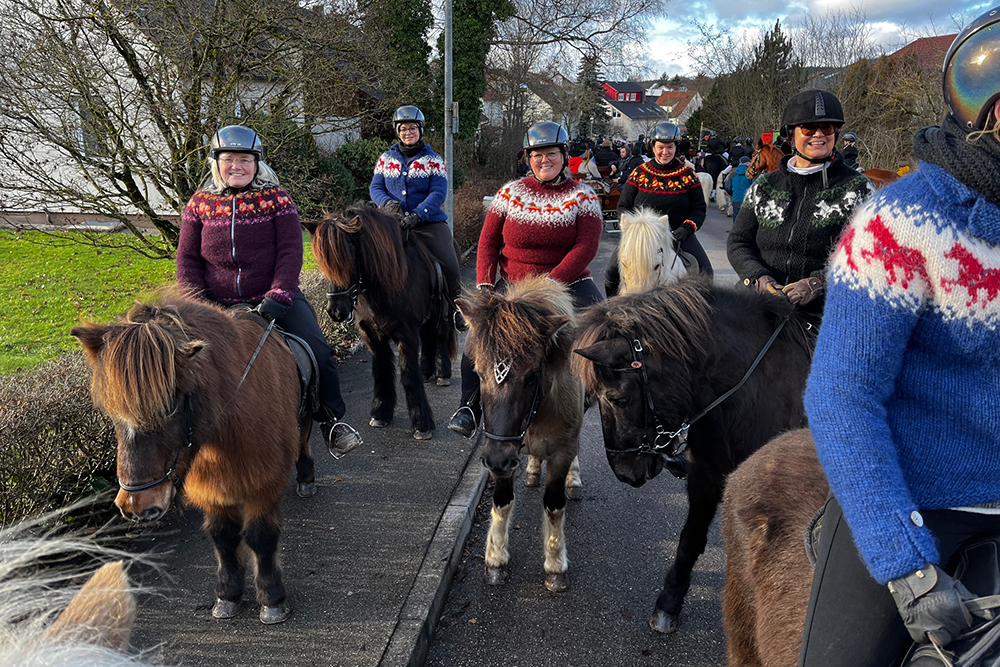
point(526, 424)
point(353, 292)
point(132, 488)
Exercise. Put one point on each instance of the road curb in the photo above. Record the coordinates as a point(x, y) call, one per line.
point(411, 638)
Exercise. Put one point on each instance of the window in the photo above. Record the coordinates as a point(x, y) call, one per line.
point(88, 131)
point(621, 97)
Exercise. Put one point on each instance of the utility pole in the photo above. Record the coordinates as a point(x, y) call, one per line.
point(449, 97)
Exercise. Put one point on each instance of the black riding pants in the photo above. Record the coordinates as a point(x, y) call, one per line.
point(584, 292)
point(852, 620)
point(438, 239)
point(300, 321)
point(692, 246)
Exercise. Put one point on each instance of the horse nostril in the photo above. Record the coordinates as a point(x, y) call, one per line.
point(149, 514)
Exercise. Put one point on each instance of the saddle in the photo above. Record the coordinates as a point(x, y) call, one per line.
point(977, 565)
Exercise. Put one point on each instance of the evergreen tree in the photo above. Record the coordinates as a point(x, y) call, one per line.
point(398, 33)
point(589, 105)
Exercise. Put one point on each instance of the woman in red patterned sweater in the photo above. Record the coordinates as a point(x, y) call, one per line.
point(241, 242)
point(543, 224)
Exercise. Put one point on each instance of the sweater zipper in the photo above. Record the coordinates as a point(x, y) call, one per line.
point(791, 233)
point(232, 239)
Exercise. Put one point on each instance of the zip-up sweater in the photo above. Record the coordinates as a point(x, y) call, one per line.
point(672, 190)
point(238, 247)
point(789, 223)
point(537, 229)
point(902, 395)
point(419, 184)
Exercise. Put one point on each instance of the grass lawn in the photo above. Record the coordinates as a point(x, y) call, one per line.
point(49, 285)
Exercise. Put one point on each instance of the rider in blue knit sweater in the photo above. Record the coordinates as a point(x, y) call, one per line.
point(901, 399)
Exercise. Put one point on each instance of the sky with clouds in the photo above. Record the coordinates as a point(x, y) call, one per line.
point(894, 22)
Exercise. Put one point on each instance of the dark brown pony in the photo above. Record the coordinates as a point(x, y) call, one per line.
point(765, 159)
point(880, 177)
point(169, 377)
point(387, 287)
point(769, 501)
point(520, 344)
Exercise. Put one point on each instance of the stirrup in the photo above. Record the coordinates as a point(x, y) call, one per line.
point(352, 439)
point(475, 422)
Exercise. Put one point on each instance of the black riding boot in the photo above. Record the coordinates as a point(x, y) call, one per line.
point(466, 419)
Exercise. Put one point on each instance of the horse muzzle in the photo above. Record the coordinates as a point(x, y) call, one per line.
point(340, 312)
point(501, 459)
point(634, 469)
point(148, 505)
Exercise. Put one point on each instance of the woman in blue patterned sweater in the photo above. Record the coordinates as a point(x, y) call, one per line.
point(902, 395)
point(411, 182)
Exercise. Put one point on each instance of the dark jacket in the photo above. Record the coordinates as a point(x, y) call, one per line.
point(625, 168)
point(851, 156)
point(605, 156)
point(789, 223)
point(672, 190)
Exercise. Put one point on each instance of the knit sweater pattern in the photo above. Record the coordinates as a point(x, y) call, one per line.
point(419, 184)
point(538, 229)
point(789, 223)
point(240, 247)
point(672, 190)
point(901, 398)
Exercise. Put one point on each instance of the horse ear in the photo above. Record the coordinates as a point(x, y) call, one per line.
point(91, 336)
point(101, 613)
point(556, 323)
point(605, 353)
point(624, 221)
point(191, 348)
point(470, 310)
point(310, 226)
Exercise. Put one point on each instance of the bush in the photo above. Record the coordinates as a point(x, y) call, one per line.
point(470, 213)
point(359, 157)
point(55, 447)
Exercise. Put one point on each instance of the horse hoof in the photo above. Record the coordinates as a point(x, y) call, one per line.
point(532, 479)
point(557, 582)
point(496, 576)
point(422, 435)
point(572, 492)
point(306, 490)
point(444, 382)
point(273, 615)
point(226, 608)
point(663, 622)
point(375, 422)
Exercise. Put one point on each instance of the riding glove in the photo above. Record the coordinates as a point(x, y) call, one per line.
point(409, 221)
point(681, 233)
point(392, 207)
point(803, 291)
point(768, 285)
point(932, 605)
point(271, 309)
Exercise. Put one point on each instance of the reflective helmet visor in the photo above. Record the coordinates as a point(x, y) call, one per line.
point(972, 77)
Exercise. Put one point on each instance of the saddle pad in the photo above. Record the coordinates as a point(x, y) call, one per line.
point(308, 369)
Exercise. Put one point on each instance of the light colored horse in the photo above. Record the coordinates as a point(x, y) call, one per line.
point(646, 254)
point(46, 617)
point(721, 196)
point(706, 186)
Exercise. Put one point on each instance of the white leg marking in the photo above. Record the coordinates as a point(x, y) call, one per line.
point(534, 465)
point(497, 553)
point(555, 542)
point(573, 476)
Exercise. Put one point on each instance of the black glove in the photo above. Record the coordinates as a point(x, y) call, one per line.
point(803, 291)
point(391, 207)
point(932, 605)
point(681, 233)
point(409, 221)
point(271, 310)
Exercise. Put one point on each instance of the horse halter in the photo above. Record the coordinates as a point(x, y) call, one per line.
point(353, 292)
point(131, 488)
point(500, 370)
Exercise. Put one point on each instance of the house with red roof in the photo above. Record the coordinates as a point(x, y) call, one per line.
point(929, 51)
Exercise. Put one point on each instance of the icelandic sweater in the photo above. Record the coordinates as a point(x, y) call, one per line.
point(789, 223)
point(538, 229)
point(672, 190)
point(902, 395)
point(240, 247)
point(419, 183)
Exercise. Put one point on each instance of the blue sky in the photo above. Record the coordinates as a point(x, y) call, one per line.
point(894, 22)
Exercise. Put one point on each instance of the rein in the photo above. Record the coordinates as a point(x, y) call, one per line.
point(173, 466)
point(535, 404)
point(674, 443)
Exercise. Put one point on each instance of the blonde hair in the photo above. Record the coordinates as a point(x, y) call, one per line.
point(265, 177)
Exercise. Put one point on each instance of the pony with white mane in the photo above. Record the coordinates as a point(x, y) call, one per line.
point(646, 254)
point(46, 618)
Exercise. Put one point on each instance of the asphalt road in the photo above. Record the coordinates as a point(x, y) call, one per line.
point(620, 542)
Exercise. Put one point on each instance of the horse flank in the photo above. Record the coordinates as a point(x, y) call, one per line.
point(675, 319)
point(380, 248)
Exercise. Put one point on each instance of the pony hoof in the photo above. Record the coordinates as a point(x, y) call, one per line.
point(226, 608)
point(422, 435)
point(375, 422)
point(532, 479)
point(663, 622)
point(496, 576)
point(557, 582)
point(272, 615)
point(306, 490)
point(444, 382)
point(572, 492)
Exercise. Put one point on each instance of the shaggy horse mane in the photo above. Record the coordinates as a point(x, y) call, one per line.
point(511, 323)
point(643, 234)
point(379, 246)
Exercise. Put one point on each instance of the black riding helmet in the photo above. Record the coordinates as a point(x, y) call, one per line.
point(811, 106)
point(665, 131)
point(236, 139)
point(545, 135)
point(408, 114)
point(971, 75)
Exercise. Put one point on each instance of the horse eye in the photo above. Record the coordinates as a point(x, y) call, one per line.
point(620, 401)
point(656, 268)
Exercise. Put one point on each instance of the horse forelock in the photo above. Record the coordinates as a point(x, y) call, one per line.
point(383, 259)
point(332, 248)
point(644, 243)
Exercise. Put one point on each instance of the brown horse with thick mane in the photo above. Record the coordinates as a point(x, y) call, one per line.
point(765, 159)
point(202, 402)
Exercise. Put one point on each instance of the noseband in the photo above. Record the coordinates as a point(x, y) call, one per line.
point(353, 293)
point(500, 370)
point(672, 445)
point(131, 488)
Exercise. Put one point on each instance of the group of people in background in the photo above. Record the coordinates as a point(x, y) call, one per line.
point(907, 357)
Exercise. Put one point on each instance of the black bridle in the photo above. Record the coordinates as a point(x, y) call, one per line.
point(353, 292)
point(526, 424)
point(672, 445)
point(131, 488)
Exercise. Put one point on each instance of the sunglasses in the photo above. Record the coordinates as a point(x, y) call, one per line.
point(825, 128)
